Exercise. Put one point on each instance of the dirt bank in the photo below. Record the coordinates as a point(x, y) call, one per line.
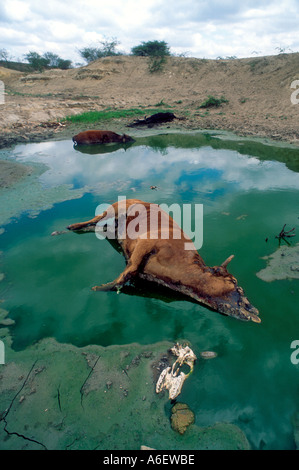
point(258, 91)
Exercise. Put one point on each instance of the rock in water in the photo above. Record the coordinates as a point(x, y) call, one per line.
point(181, 417)
point(208, 354)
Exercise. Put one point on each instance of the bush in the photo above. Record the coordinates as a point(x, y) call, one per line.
point(211, 101)
point(36, 61)
point(156, 51)
point(107, 49)
point(54, 61)
point(151, 48)
point(46, 61)
point(156, 63)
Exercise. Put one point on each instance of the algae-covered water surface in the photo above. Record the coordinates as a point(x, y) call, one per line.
point(249, 191)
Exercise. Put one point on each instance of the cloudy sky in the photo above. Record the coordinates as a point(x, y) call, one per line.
point(196, 28)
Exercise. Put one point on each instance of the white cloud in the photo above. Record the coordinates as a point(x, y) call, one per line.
point(65, 32)
point(16, 10)
point(201, 28)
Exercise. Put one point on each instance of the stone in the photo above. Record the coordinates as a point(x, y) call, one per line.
point(208, 354)
point(181, 417)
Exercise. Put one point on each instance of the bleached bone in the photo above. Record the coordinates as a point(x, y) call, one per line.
point(171, 378)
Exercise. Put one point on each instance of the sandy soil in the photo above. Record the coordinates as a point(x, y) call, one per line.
point(258, 91)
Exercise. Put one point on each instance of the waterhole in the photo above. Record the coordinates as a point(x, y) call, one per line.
point(249, 191)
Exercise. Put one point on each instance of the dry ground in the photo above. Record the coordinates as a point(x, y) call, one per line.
point(258, 91)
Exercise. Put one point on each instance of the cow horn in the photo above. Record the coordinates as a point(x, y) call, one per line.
point(228, 260)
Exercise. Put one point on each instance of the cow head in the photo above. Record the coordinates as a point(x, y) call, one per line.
point(126, 138)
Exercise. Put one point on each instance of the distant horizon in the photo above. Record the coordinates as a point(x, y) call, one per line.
point(124, 54)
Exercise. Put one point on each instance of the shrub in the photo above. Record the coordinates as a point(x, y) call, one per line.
point(107, 49)
point(211, 101)
point(36, 60)
point(156, 51)
point(156, 63)
point(46, 61)
point(151, 49)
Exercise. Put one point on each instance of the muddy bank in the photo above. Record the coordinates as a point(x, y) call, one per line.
point(257, 92)
point(52, 130)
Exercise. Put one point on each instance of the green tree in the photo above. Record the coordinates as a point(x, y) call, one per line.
point(36, 60)
point(47, 60)
point(89, 54)
point(151, 48)
point(156, 51)
point(54, 61)
point(107, 49)
point(51, 58)
point(64, 64)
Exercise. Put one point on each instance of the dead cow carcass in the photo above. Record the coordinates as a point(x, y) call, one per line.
point(100, 137)
point(157, 118)
point(161, 257)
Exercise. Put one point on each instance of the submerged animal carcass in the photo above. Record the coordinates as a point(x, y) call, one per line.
point(100, 137)
point(160, 256)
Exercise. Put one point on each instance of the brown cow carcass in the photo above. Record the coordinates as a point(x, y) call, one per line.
point(164, 260)
point(100, 137)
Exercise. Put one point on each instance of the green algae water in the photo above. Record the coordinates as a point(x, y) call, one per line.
point(249, 191)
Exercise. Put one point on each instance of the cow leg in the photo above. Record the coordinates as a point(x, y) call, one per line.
point(124, 277)
point(137, 259)
point(88, 223)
